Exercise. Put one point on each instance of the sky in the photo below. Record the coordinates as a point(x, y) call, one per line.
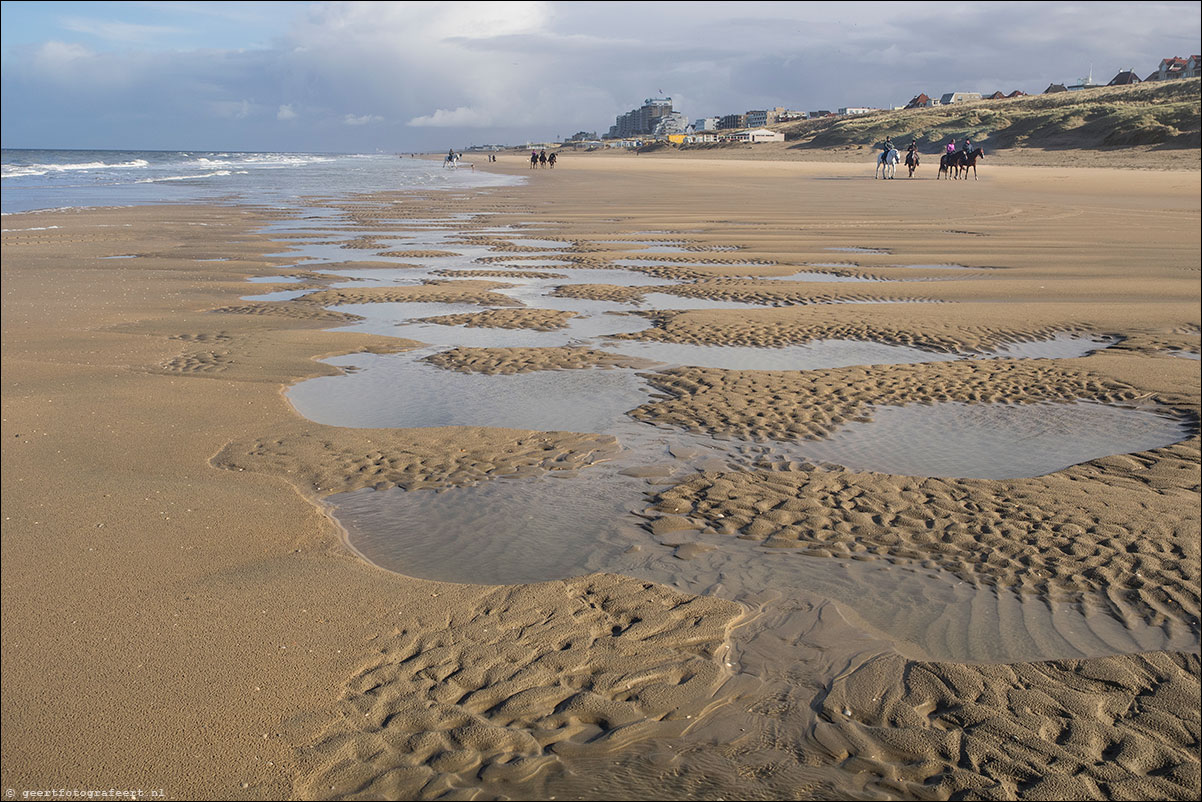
point(365, 77)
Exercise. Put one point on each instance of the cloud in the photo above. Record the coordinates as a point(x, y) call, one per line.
point(118, 31)
point(462, 117)
point(532, 70)
point(56, 56)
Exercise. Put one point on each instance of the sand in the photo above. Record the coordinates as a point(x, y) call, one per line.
point(182, 613)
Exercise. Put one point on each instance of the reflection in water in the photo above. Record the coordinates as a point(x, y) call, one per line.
point(548, 527)
point(535, 528)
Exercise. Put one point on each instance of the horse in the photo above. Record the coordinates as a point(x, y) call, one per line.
point(533, 160)
point(912, 161)
point(970, 160)
point(949, 162)
point(551, 160)
point(886, 163)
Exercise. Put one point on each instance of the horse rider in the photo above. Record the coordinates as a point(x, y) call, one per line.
point(951, 146)
point(912, 152)
point(886, 146)
point(967, 145)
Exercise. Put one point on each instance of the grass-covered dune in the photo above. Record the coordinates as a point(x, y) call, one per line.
point(1164, 115)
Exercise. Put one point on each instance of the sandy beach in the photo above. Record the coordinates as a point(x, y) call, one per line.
point(183, 614)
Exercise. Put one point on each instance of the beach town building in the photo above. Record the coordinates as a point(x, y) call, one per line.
point(959, 97)
point(761, 118)
point(729, 121)
point(920, 101)
point(1084, 83)
point(756, 136)
point(671, 123)
point(1175, 67)
point(641, 121)
point(705, 124)
point(1124, 78)
point(852, 111)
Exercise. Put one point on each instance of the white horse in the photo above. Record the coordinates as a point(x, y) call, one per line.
point(886, 163)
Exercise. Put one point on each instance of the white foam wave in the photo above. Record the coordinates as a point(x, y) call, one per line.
point(23, 170)
point(261, 160)
point(214, 174)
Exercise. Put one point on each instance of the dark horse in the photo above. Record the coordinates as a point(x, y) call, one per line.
point(912, 161)
point(970, 160)
point(949, 162)
point(955, 164)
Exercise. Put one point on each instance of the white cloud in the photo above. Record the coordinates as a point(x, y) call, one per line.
point(462, 117)
point(361, 119)
point(286, 112)
point(53, 55)
point(232, 109)
point(118, 31)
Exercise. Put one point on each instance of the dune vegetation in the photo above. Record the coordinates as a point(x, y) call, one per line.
point(1162, 114)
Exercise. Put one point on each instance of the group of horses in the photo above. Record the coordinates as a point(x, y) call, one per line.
point(952, 165)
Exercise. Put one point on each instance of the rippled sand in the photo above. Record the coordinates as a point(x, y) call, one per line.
point(761, 627)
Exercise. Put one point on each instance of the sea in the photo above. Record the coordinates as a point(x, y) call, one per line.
point(59, 179)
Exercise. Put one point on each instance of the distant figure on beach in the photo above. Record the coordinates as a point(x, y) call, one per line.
point(533, 159)
point(542, 158)
point(551, 160)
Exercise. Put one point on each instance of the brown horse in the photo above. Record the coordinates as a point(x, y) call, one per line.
point(912, 161)
point(970, 160)
point(956, 164)
point(949, 162)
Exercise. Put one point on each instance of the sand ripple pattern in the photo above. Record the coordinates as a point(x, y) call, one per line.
point(1113, 728)
point(498, 692)
point(536, 319)
point(782, 405)
point(527, 360)
point(1065, 536)
point(321, 462)
point(769, 329)
point(433, 291)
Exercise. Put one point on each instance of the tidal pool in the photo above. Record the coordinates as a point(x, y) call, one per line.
point(540, 527)
point(544, 527)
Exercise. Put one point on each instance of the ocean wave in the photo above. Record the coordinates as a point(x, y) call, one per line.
point(23, 170)
point(214, 174)
point(260, 160)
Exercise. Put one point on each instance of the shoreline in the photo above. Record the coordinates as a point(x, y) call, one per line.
point(75, 325)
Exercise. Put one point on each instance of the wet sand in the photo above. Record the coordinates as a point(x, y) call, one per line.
point(181, 612)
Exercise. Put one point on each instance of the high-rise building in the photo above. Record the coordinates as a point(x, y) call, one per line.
point(641, 121)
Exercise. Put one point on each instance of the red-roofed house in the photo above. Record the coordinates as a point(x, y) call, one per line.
point(919, 102)
point(1175, 67)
